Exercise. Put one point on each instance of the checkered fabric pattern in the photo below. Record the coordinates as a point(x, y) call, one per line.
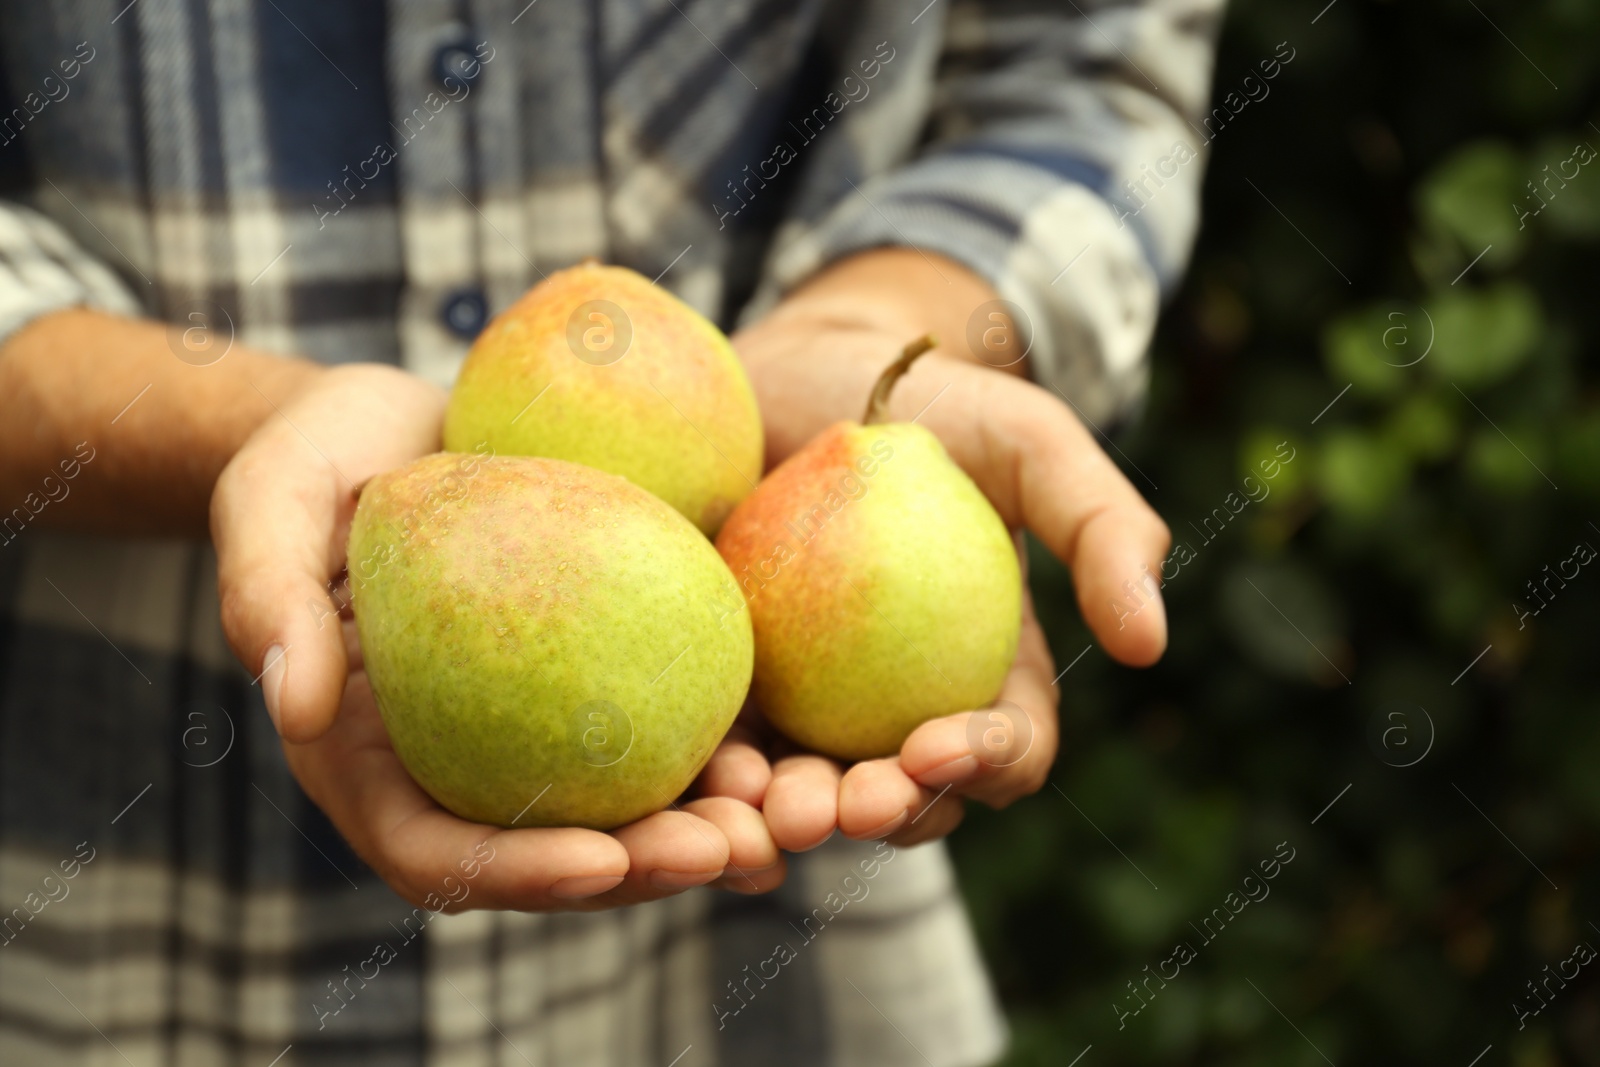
point(371, 181)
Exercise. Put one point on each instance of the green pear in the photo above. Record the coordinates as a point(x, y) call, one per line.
point(599, 366)
point(883, 587)
point(549, 645)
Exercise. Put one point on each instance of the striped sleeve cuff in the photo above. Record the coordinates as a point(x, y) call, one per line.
point(42, 269)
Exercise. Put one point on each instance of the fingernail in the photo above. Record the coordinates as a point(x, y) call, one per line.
point(947, 773)
point(682, 879)
point(585, 886)
point(274, 669)
point(885, 830)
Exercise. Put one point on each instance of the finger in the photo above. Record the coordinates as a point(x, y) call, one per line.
point(754, 863)
point(669, 852)
point(1032, 455)
point(754, 883)
point(1112, 540)
point(274, 517)
point(430, 857)
point(934, 821)
point(280, 517)
point(802, 803)
point(438, 855)
point(876, 798)
point(738, 769)
point(1003, 753)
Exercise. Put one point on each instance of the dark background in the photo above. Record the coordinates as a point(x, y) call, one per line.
point(1389, 553)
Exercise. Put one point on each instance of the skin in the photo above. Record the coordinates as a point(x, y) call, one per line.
point(813, 362)
point(272, 449)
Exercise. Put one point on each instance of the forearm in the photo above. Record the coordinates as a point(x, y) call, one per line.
point(105, 429)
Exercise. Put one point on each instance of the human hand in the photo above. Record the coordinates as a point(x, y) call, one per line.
point(813, 362)
point(280, 518)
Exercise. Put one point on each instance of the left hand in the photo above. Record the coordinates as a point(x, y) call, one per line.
point(813, 363)
point(281, 513)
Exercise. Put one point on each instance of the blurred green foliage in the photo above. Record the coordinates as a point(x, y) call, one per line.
point(1323, 640)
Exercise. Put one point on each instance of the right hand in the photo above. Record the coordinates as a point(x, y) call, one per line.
point(280, 517)
point(813, 360)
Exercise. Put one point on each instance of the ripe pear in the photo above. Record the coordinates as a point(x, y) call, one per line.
point(549, 645)
point(883, 587)
point(599, 366)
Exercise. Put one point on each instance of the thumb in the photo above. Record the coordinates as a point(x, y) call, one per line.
point(279, 514)
point(1080, 505)
point(1039, 465)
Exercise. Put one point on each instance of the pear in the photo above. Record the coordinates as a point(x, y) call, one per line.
point(599, 366)
point(883, 587)
point(549, 645)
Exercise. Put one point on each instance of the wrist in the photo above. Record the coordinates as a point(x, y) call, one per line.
point(900, 292)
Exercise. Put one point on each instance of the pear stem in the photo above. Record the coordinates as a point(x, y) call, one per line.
point(591, 261)
point(878, 405)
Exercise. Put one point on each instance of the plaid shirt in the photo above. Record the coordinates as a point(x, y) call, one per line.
point(366, 181)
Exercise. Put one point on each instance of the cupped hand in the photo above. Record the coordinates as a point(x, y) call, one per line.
point(280, 517)
point(813, 363)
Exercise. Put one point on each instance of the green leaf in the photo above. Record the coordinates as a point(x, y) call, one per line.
point(1470, 196)
point(1426, 427)
point(1360, 473)
point(1578, 452)
point(1368, 349)
point(1510, 466)
point(1482, 336)
point(1275, 460)
point(1568, 188)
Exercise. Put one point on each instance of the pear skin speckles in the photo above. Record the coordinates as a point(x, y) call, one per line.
point(491, 640)
point(884, 590)
point(669, 407)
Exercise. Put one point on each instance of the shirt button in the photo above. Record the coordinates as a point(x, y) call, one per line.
point(456, 63)
point(465, 312)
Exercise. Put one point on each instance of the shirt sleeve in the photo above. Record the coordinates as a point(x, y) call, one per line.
point(42, 269)
point(1062, 163)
